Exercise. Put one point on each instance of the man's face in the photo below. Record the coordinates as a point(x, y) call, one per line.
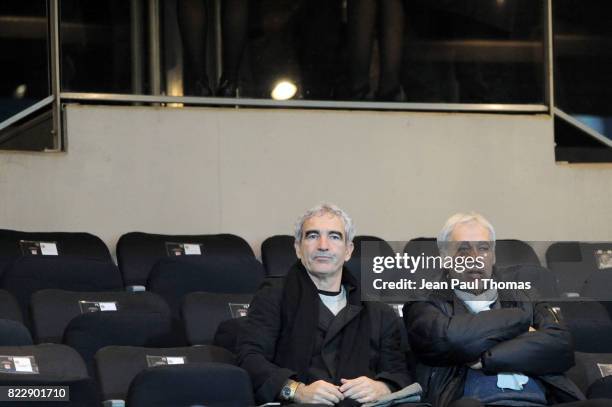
point(472, 240)
point(323, 249)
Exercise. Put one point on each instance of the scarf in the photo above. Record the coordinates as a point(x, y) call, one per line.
point(300, 319)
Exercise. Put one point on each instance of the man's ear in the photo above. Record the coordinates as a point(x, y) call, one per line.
point(349, 251)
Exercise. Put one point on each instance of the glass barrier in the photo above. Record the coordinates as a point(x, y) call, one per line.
point(95, 46)
point(583, 62)
point(24, 57)
point(424, 51)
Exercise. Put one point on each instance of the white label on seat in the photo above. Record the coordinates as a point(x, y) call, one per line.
point(175, 360)
point(192, 249)
point(605, 369)
point(603, 259)
point(398, 308)
point(95, 306)
point(165, 360)
point(48, 249)
point(33, 248)
point(238, 310)
point(18, 365)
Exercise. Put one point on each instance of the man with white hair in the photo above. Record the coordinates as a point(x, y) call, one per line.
point(309, 338)
point(479, 346)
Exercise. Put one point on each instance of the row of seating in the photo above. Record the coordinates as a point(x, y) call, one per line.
point(138, 253)
point(128, 375)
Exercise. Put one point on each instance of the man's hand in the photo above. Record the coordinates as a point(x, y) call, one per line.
point(320, 392)
point(363, 389)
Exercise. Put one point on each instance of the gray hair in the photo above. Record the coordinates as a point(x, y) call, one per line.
point(349, 227)
point(461, 218)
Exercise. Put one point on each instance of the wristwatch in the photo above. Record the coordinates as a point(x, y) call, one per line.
point(288, 390)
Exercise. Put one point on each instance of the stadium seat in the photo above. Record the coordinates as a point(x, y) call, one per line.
point(589, 323)
point(116, 366)
point(9, 308)
point(88, 333)
point(574, 262)
point(542, 280)
point(592, 373)
point(175, 278)
point(138, 252)
point(203, 312)
point(15, 244)
point(52, 310)
point(47, 365)
point(13, 333)
point(210, 384)
point(27, 275)
point(376, 247)
point(278, 255)
point(512, 252)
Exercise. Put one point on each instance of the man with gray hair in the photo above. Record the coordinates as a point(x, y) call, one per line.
point(478, 346)
point(309, 338)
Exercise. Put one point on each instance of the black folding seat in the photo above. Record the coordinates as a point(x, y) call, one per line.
point(148, 324)
point(175, 278)
point(598, 286)
point(53, 310)
point(573, 262)
point(138, 252)
point(512, 252)
point(15, 244)
point(9, 308)
point(592, 373)
point(210, 384)
point(27, 275)
point(13, 333)
point(203, 312)
point(542, 280)
point(278, 254)
point(365, 248)
point(47, 365)
point(117, 366)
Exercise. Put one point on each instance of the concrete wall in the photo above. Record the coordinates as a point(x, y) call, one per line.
point(252, 172)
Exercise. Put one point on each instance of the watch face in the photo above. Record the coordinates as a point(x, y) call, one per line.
point(286, 392)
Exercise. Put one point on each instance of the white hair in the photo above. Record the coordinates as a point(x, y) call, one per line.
point(458, 219)
point(349, 227)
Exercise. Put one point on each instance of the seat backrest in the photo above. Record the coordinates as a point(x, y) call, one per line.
point(15, 244)
point(9, 308)
point(210, 384)
point(13, 333)
point(81, 392)
point(45, 361)
point(172, 279)
point(203, 312)
point(88, 333)
point(52, 310)
point(116, 366)
point(590, 368)
point(278, 254)
point(376, 246)
point(27, 275)
point(542, 280)
point(138, 252)
point(574, 262)
point(598, 285)
point(512, 252)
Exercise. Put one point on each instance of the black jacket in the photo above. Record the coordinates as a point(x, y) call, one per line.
point(259, 341)
point(445, 337)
